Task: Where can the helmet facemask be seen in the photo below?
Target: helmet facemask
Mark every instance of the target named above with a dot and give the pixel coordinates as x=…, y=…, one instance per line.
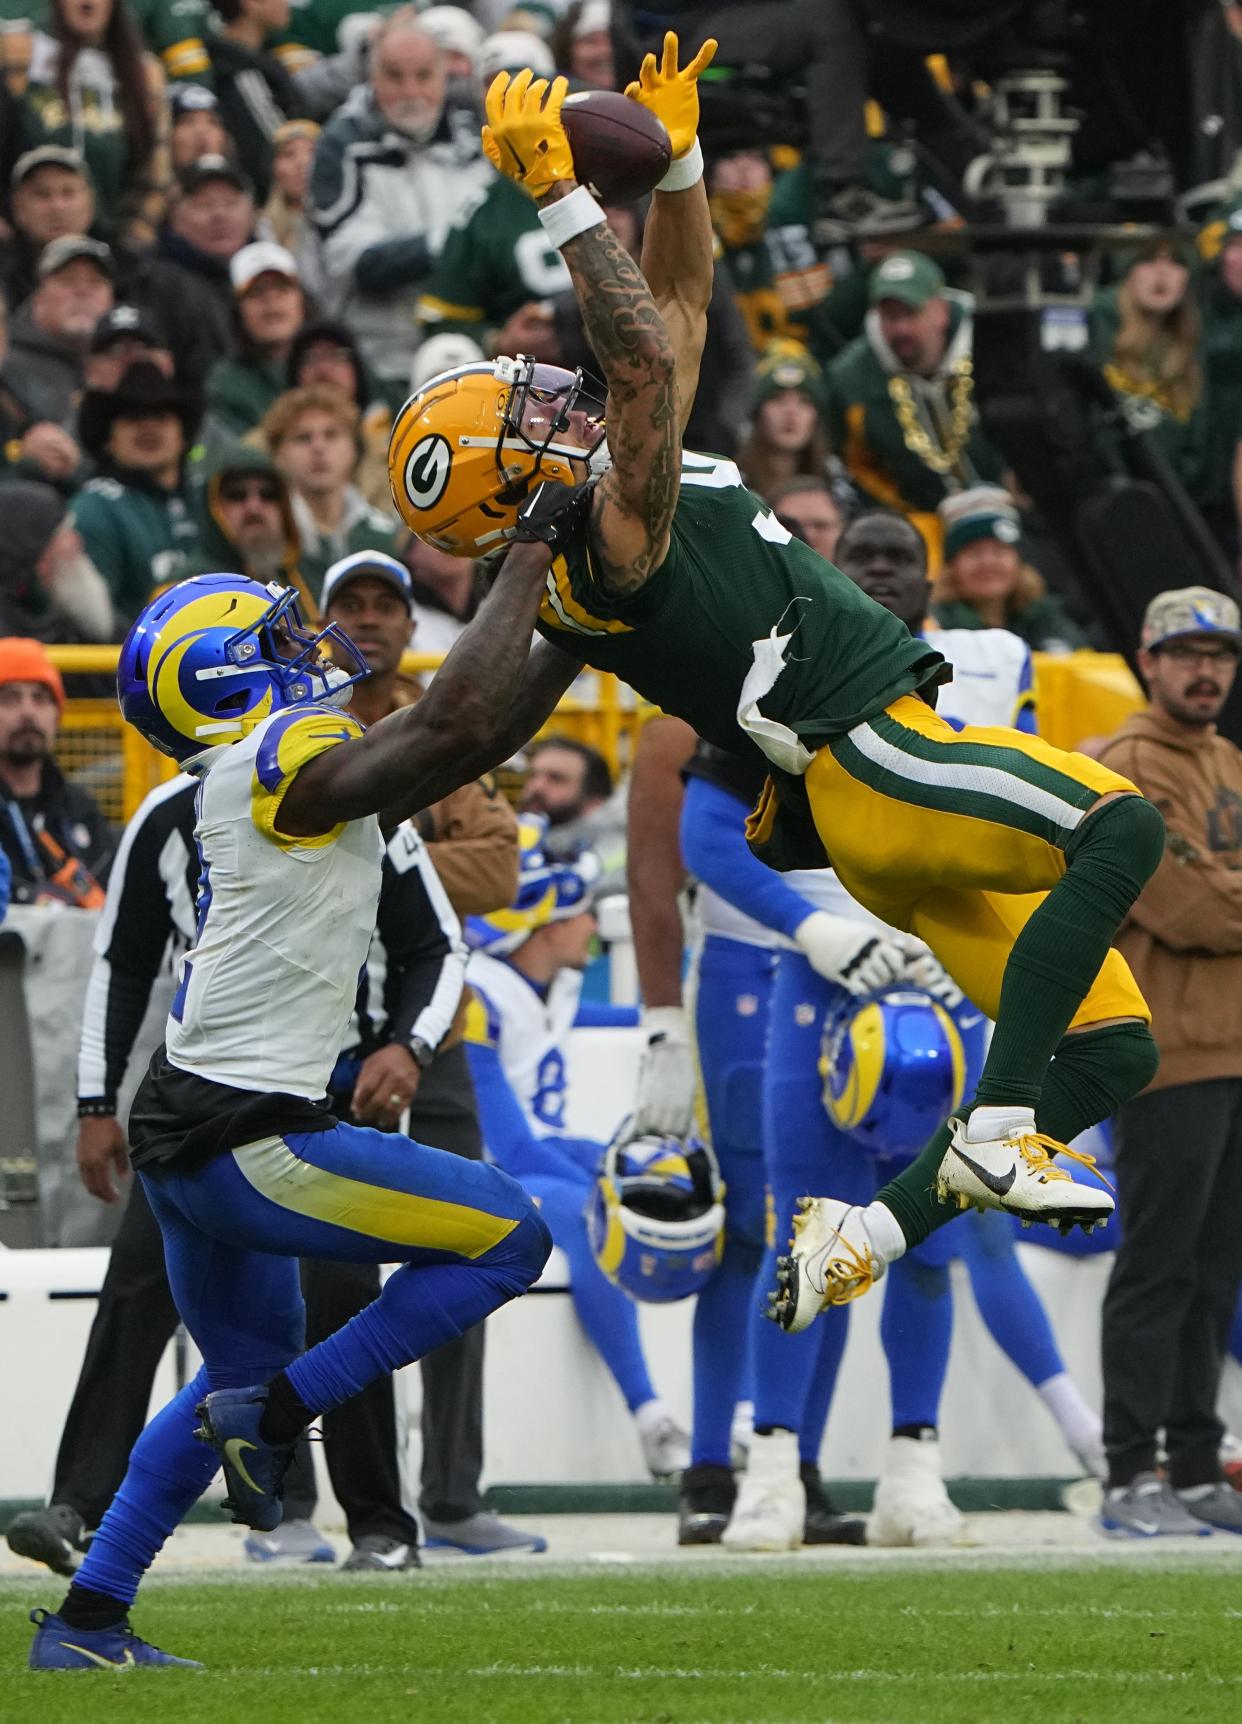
x=538, y=413
x=302, y=674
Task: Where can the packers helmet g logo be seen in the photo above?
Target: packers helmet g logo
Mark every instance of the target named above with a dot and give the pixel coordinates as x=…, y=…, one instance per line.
x=427, y=471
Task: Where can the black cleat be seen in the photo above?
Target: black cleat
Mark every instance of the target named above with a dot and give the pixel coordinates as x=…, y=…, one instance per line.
x=823, y=1524
x=55, y=1536
x=705, y=1504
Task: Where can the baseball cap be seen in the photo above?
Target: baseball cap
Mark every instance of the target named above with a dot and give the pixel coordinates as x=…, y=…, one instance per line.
x=376, y=564
x=908, y=276
x=513, y=51
x=982, y=512
x=48, y=156
x=59, y=253
x=261, y=257
x=1190, y=611
x=127, y=323
x=205, y=169
x=191, y=99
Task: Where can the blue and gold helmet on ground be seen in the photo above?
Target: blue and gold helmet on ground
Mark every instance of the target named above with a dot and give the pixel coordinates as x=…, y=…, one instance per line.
x=550, y=889
x=656, y=1218
x=467, y=448
x=215, y=655
x=894, y=1069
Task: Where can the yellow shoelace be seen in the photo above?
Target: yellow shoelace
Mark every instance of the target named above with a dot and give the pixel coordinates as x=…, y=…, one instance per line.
x=1037, y=1151
x=850, y=1265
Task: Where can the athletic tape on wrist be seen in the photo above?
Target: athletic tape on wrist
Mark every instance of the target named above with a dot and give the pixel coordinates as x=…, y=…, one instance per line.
x=568, y=217
x=685, y=172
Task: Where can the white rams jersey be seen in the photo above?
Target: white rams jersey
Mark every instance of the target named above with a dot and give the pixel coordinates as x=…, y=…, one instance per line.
x=993, y=681
x=265, y=994
x=529, y=1031
x=993, y=684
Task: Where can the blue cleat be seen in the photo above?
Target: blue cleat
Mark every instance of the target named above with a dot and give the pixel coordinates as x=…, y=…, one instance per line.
x=59, y=1647
x=254, y=1469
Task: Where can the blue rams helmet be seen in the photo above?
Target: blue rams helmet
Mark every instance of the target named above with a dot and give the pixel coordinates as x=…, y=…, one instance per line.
x=215, y=655
x=894, y=1069
x=656, y=1218
x=550, y=889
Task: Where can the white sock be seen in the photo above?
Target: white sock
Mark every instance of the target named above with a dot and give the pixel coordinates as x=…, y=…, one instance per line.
x=1080, y=1425
x=650, y=1415
x=994, y=1122
x=884, y=1232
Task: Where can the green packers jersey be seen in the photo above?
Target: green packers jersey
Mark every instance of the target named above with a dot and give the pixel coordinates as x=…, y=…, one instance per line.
x=737, y=601
x=495, y=258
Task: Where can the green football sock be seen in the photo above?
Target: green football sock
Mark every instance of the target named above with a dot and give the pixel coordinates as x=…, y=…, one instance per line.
x=1093, y=1073
x=1058, y=954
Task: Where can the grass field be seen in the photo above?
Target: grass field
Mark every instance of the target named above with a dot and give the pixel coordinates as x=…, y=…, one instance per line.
x=925, y=1642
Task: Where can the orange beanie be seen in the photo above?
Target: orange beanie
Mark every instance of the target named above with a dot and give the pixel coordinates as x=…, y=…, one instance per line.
x=24, y=660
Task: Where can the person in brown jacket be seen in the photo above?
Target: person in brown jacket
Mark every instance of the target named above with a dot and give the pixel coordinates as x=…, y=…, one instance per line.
x=1175, y=1279
x=473, y=841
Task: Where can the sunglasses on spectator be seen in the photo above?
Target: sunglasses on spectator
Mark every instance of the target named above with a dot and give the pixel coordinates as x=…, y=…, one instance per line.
x=247, y=490
x=1194, y=652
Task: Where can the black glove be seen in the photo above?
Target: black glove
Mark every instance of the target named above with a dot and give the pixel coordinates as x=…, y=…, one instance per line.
x=553, y=513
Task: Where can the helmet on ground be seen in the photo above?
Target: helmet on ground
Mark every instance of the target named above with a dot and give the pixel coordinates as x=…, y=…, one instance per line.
x=893, y=1068
x=469, y=446
x=215, y=655
x=656, y=1219
x=550, y=889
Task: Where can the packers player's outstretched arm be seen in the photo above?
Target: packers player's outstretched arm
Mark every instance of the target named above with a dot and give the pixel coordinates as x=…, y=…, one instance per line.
x=638, y=352
x=678, y=241
x=635, y=499
x=460, y=727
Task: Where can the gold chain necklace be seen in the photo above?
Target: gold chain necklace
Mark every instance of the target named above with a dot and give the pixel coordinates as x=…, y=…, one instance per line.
x=960, y=390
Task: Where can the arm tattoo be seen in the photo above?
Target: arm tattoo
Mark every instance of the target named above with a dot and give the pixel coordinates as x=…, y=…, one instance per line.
x=629, y=339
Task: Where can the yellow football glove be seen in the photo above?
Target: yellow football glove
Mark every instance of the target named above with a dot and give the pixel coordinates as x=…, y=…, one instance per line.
x=524, y=136
x=673, y=96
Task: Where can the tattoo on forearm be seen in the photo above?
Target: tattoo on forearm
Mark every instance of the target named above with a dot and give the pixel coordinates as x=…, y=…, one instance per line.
x=631, y=344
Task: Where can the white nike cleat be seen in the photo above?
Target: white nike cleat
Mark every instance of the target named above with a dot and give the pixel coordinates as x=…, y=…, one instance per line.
x=770, y=1511
x=832, y=1259
x=912, y=1506
x=997, y=1160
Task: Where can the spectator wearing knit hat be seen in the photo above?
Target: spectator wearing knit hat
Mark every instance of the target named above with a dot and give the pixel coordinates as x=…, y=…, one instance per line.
x=49, y=588
x=786, y=438
x=984, y=582
x=197, y=129
x=54, y=834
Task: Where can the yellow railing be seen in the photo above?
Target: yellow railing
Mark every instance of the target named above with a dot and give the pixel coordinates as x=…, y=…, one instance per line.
x=1079, y=695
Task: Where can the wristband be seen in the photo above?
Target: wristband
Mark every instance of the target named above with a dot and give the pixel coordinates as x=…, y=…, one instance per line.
x=96, y=1107
x=685, y=172
x=568, y=217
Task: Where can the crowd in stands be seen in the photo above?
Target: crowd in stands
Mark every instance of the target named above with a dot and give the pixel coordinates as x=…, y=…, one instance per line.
x=232, y=241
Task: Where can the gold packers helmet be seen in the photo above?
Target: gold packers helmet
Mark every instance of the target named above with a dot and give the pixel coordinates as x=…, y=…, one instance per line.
x=469, y=445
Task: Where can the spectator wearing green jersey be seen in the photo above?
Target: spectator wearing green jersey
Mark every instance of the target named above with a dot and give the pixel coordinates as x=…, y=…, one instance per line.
x=94, y=88
x=135, y=516
x=176, y=33
x=269, y=309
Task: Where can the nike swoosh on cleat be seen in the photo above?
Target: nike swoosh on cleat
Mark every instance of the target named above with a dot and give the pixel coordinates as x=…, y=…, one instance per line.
x=997, y=1184
x=98, y=1658
x=232, y=1454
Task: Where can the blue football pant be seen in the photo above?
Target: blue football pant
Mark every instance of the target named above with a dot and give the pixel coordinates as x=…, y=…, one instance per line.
x=467, y=1237
x=732, y=984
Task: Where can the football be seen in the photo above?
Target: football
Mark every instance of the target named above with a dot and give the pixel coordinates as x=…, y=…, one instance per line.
x=620, y=150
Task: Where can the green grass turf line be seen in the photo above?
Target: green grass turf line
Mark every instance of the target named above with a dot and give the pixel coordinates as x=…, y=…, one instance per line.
x=1151, y=1642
